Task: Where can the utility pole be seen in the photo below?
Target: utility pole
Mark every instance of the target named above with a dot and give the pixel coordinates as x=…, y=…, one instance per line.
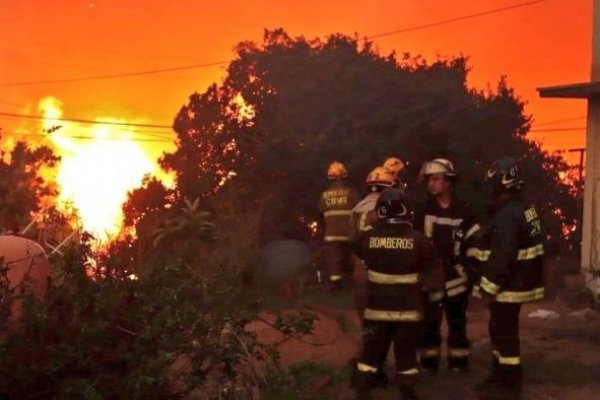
x=590, y=249
x=579, y=166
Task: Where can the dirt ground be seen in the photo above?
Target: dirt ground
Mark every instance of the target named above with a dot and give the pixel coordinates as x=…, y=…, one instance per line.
x=561, y=358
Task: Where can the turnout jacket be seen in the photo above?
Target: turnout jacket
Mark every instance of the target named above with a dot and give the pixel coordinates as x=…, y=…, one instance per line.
x=336, y=205
x=363, y=215
x=401, y=265
x=445, y=227
x=510, y=251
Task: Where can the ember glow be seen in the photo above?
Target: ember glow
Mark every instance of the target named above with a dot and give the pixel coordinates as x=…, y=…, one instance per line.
x=97, y=168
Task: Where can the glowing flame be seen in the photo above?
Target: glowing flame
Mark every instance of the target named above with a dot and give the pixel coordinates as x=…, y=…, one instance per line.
x=96, y=170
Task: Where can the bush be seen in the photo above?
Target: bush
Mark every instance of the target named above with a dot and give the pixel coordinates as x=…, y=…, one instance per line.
x=168, y=333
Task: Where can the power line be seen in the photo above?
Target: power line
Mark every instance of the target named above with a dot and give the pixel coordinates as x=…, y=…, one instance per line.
x=456, y=19
x=159, y=126
x=559, y=129
x=559, y=121
x=82, y=137
x=8, y=103
x=114, y=76
x=85, y=121
x=216, y=63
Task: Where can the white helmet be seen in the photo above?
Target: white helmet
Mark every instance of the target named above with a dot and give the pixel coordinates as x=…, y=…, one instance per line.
x=437, y=166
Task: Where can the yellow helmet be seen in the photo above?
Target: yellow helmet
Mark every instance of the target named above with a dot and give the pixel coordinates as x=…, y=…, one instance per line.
x=337, y=170
x=394, y=166
x=380, y=177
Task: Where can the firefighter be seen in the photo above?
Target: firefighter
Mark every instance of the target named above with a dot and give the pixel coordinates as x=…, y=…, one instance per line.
x=441, y=218
x=336, y=205
x=401, y=266
x=362, y=219
x=511, y=250
x=395, y=166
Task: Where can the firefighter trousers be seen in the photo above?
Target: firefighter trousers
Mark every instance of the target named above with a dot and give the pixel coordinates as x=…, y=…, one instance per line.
x=339, y=261
x=504, y=333
x=377, y=338
x=455, y=309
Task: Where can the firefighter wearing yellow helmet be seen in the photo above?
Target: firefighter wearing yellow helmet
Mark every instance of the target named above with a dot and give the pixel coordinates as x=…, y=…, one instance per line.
x=395, y=166
x=336, y=205
x=442, y=218
x=363, y=218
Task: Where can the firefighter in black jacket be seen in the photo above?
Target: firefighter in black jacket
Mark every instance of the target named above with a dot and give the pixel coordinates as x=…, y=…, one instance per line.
x=363, y=217
x=441, y=218
x=511, y=251
x=401, y=266
x=336, y=205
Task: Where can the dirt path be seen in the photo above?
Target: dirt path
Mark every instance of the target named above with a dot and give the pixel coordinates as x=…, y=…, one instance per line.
x=561, y=357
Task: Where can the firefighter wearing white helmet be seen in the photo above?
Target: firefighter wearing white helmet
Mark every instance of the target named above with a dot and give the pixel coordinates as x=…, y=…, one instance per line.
x=336, y=204
x=442, y=218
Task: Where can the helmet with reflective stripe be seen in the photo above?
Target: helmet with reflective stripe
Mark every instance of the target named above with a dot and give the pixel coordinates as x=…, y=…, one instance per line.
x=392, y=206
x=337, y=170
x=394, y=166
x=504, y=175
x=379, y=179
x=437, y=166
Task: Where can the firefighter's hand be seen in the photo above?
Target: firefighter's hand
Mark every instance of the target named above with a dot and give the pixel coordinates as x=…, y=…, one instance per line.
x=436, y=296
x=486, y=298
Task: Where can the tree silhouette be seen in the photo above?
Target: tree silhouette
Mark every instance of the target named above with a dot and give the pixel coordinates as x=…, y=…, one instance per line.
x=22, y=186
x=264, y=136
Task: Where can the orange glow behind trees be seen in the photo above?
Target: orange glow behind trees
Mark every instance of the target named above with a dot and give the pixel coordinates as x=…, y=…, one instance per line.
x=96, y=174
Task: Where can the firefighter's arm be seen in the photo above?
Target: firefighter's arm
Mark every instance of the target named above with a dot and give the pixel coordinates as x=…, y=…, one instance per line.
x=466, y=252
x=418, y=220
x=353, y=197
x=503, y=250
x=433, y=272
x=357, y=244
x=321, y=219
x=353, y=231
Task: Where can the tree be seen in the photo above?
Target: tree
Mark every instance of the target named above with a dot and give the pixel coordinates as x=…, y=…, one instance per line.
x=263, y=138
x=23, y=187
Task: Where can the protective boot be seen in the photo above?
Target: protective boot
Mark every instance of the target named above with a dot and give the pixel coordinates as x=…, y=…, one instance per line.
x=458, y=364
x=430, y=364
x=381, y=378
x=492, y=379
x=406, y=388
x=511, y=380
x=363, y=383
x=505, y=383
x=336, y=286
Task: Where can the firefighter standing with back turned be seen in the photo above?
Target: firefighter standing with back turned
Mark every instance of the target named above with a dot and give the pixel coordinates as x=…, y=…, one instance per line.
x=440, y=218
x=336, y=205
x=401, y=266
x=511, y=249
x=363, y=217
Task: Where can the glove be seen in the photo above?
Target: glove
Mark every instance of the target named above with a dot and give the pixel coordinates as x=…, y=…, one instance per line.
x=436, y=297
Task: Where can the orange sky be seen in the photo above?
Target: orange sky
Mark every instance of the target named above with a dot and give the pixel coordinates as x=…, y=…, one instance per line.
x=542, y=44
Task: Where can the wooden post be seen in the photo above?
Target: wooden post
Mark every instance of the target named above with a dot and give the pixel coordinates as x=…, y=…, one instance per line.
x=590, y=252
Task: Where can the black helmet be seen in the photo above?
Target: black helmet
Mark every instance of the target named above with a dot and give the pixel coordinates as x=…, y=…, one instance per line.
x=504, y=175
x=392, y=206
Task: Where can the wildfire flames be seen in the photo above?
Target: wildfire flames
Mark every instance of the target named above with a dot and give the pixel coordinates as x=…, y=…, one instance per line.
x=96, y=170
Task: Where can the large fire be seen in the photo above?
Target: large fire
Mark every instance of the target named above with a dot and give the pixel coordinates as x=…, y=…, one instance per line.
x=96, y=170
